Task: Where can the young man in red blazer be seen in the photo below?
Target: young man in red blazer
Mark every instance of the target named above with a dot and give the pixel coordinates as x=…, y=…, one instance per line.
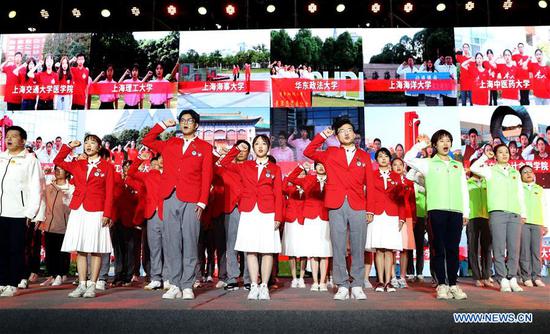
x=184, y=186
x=347, y=197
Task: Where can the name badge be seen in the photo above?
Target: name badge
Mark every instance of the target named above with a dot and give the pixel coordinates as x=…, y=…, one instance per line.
x=96, y=174
x=267, y=174
x=53, y=81
x=194, y=153
x=83, y=76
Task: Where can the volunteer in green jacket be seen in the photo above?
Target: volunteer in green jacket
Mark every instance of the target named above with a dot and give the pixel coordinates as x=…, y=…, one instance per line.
x=536, y=206
x=506, y=214
x=448, y=207
x=478, y=232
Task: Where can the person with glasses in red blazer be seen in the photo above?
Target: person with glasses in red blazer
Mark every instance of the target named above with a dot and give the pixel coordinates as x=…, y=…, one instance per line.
x=184, y=187
x=348, y=199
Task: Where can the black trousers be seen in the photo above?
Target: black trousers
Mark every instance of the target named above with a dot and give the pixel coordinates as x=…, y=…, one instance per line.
x=449, y=101
x=57, y=262
x=77, y=107
x=419, y=230
x=446, y=228
x=524, y=97
x=12, y=250
x=123, y=246
x=44, y=105
x=205, y=262
x=131, y=107
x=493, y=98
x=14, y=106
x=33, y=245
x=107, y=105
x=158, y=106
x=412, y=101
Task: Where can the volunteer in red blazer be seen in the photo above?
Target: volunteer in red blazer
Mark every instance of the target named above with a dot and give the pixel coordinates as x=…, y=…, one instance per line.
x=91, y=205
x=232, y=186
x=316, y=231
x=184, y=187
x=349, y=173
x=261, y=207
x=293, y=233
x=384, y=232
x=153, y=214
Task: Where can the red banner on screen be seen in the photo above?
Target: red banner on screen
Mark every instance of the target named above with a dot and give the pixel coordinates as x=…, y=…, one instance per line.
x=252, y=86
x=322, y=85
x=409, y=85
x=133, y=88
x=39, y=89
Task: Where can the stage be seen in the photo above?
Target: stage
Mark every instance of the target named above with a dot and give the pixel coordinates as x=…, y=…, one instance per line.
x=132, y=309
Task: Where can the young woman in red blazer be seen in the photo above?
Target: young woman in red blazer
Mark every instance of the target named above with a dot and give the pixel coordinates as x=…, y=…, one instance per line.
x=384, y=232
x=92, y=207
x=316, y=241
x=293, y=233
x=407, y=232
x=261, y=207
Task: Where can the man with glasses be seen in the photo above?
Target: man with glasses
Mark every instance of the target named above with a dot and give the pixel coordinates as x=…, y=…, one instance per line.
x=349, y=174
x=184, y=186
x=283, y=152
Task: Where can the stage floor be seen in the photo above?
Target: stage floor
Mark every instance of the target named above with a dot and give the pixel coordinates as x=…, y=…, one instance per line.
x=214, y=310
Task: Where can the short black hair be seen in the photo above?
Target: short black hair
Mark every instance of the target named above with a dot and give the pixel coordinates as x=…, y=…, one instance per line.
x=382, y=150
x=109, y=66
x=377, y=140
x=440, y=134
x=243, y=141
x=520, y=43
x=161, y=65
x=104, y=153
x=524, y=134
x=339, y=122
x=513, y=142
x=135, y=66
x=472, y=130
x=271, y=159
x=283, y=133
x=38, y=138
x=547, y=128
x=18, y=53
x=22, y=132
x=80, y=54
x=94, y=138
x=196, y=117
x=539, y=139
x=523, y=167
x=58, y=137
x=499, y=146
x=490, y=51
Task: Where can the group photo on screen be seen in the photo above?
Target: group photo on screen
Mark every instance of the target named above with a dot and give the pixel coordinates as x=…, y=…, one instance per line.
x=503, y=65
x=409, y=66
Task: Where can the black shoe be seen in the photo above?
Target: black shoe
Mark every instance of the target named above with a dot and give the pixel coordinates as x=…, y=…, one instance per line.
x=247, y=286
x=232, y=287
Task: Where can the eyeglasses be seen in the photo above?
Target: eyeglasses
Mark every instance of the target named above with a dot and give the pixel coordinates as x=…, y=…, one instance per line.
x=187, y=121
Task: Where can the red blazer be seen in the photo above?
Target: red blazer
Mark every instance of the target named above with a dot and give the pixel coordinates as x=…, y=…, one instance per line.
x=293, y=203
x=94, y=193
x=232, y=187
x=409, y=197
x=388, y=199
x=189, y=173
x=343, y=180
x=150, y=193
x=314, y=198
x=266, y=192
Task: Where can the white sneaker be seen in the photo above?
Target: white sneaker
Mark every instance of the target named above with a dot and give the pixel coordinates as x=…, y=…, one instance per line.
x=78, y=292
x=358, y=293
x=23, y=284
x=294, y=283
x=420, y=278
x=514, y=285
x=9, y=291
x=330, y=284
x=301, y=283
x=166, y=285
x=47, y=282
x=221, y=285
x=264, y=292
x=402, y=283
x=2, y=288
x=539, y=283
x=197, y=284
x=153, y=285
x=367, y=284
x=394, y=282
x=342, y=294
x=101, y=285
x=314, y=287
x=528, y=283
x=57, y=281
x=505, y=285
x=254, y=292
x=442, y=292
x=457, y=293
x=187, y=294
x=409, y=277
x=90, y=291
x=172, y=293
x=209, y=279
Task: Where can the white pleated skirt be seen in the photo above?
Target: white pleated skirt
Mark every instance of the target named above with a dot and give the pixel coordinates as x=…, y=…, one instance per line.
x=86, y=234
x=407, y=235
x=317, y=238
x=257, y=234
x=383, y=233
x=293, y=239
